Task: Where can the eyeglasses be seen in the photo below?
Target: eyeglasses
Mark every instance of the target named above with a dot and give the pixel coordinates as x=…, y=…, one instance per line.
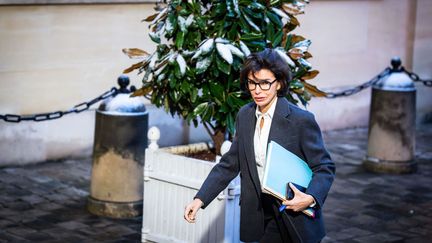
x=263, y=84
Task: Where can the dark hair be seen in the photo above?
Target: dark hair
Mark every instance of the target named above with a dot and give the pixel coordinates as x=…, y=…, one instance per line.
x=271, y=60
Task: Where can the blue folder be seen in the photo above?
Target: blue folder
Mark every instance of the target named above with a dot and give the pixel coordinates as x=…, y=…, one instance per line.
x=282, y=167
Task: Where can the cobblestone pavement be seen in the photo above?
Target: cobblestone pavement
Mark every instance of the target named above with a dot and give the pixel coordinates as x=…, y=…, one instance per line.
x=46, y=202
x=368, y=207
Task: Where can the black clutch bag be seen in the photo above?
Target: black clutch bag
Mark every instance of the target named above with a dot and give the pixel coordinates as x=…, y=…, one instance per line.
x=290, y=193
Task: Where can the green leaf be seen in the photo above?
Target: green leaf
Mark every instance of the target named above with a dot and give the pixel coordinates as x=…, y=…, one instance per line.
x=251, y=37
x=195, y=122
x=166, y=104
x=172, y=81
x=291, y=98
x=181, y=64
x=200, y=109
x=225, y=52
x=274, y=2
x=220, y=27
x=194, y=94
x=181, y=23
x=155, y=99
x=251, y=23
x=296, y=84
x=302, y=100
x=277, y=38
x=175, y=96
x=171, y=24
x=257, y=6
x=270, y=32
x=208, y=113
x=225, y=108
x=219, y=9
x=244, y=48
x=305, y=63
x=230, y=123
x=244, y=25
x=257, y=44
x=288, y=42
x=217, y=90
x=223, y=66
x=230, y=8
x=207, y=46
x=185, y=87
x=245, y=2
x=214, y=70
x=291, y=39
x=180, y=39
x=274, y=18
x=205, y=91
x=184, y=12
x=252, y=14
x=200, y=22
x=203, y=64
x=233, y=33
x=234, y=99
x=177, y=72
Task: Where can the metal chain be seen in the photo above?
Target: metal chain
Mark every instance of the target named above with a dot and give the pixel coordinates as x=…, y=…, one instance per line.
x=57, y=114
x=373, y=81
x=86, y=105
x=361, y=87
x=416, y=78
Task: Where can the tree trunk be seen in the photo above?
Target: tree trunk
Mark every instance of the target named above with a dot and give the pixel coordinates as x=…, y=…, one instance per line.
x=218, y=138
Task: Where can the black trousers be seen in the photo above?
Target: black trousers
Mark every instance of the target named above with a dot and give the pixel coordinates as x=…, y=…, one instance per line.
x=276, y=229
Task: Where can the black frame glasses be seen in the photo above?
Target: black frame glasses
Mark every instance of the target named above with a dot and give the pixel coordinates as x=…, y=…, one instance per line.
x=262, y=82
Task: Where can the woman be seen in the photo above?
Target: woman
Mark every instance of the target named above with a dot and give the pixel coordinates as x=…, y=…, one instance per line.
x=270, y=118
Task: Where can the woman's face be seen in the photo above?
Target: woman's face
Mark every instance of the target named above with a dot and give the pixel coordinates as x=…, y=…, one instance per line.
x=265, y=95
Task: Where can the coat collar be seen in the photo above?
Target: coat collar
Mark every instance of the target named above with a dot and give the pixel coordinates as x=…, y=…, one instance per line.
x=283, y=107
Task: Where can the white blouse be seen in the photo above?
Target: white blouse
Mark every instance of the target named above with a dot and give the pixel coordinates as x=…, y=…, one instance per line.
x=261, y=137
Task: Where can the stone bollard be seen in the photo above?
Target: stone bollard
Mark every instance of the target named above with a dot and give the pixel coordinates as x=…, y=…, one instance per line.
x=391, y=140
x=118, y=155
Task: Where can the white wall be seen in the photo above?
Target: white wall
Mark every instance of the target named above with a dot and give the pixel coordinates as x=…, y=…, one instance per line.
x=56, y=56
x=353, y=41
x=422, y=58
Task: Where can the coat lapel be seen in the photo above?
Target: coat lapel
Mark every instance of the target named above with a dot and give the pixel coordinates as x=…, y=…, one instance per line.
x=280, y=116
x=249, y=147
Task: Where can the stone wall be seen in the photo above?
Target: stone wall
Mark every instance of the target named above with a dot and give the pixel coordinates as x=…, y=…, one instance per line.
x=56, y=56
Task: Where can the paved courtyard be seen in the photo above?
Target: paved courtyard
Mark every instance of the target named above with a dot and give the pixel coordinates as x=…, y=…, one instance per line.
x=368, y=207
x=46, y=202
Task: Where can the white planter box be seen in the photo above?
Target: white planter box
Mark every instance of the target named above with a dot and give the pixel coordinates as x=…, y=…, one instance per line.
x=170, y=182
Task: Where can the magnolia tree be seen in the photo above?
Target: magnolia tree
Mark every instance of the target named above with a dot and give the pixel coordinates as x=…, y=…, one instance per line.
x=200, y=48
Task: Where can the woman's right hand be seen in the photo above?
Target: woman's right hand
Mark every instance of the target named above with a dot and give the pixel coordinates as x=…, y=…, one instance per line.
x=191, y=209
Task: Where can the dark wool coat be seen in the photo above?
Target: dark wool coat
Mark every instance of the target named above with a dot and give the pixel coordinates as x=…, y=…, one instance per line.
x=294, y=129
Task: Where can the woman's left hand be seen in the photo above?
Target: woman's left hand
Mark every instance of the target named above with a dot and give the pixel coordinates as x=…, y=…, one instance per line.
x=300, y=201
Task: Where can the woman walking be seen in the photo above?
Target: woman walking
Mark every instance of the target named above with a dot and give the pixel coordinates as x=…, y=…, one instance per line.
x=270, y=117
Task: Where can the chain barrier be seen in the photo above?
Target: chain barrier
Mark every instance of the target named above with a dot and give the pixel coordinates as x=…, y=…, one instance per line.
x=360, y=87
x=57, y=114
x=374, y=80
x=86, y=105
x=416, y=78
